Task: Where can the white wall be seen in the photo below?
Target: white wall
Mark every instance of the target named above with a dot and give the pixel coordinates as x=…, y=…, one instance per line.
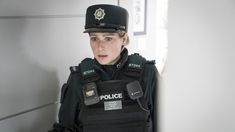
x=198, y=93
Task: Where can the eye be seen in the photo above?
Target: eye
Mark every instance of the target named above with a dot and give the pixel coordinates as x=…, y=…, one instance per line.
x=108, y=38
x=93, y=39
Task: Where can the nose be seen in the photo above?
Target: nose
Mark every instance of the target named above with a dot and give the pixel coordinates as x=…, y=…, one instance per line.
x=100, y=45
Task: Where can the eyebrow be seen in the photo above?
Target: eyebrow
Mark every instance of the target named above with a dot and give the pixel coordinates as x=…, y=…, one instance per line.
x=106, y=34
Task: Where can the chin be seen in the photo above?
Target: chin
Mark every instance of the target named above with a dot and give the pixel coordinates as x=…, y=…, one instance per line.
x=103, y=62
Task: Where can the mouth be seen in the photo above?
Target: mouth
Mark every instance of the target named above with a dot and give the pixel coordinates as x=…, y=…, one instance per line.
x=102, y=56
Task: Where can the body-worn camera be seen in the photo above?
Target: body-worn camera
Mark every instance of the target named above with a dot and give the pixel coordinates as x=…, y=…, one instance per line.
x=90, y=94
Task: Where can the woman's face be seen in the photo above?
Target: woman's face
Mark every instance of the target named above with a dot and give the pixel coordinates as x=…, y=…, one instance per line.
x=106, y=47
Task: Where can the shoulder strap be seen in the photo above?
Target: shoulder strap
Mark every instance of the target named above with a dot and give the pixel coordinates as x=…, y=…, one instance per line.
x=135, y=66
x=88, y=72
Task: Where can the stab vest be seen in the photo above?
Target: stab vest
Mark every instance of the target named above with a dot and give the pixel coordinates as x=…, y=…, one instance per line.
x=115, y=111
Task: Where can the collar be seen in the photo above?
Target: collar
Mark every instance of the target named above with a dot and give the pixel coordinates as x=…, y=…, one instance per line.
x=124, y=56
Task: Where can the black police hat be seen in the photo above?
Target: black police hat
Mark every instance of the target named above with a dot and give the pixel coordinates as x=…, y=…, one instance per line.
x=106, y=18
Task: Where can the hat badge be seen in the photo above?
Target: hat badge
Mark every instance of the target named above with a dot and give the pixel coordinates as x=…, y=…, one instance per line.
x=99, y=14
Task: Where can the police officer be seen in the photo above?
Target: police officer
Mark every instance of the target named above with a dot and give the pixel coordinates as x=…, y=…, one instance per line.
x=114, y=92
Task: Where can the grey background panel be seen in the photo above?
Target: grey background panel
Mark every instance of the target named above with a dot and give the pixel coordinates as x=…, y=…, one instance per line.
x=24, y=83
x=46, y=7
x=35, y=59
x=40, y=120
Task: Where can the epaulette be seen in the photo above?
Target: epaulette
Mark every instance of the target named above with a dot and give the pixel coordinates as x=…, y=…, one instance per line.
x=87, y=70
x=135, y=65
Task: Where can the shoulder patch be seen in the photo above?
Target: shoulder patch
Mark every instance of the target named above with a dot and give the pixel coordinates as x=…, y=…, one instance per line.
x=136, y=61
x=135, y=65
x=87, y=68
x=88, y=71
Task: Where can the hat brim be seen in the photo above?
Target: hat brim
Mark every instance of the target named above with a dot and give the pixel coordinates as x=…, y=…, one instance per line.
x=101, y=30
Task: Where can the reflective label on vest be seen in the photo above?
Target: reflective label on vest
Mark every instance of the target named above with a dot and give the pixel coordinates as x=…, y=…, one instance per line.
x=112, y=105
x=111, y=96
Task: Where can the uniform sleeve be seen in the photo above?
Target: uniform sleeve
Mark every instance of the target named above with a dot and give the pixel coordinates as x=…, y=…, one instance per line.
x=69, y=108
x=152, y=85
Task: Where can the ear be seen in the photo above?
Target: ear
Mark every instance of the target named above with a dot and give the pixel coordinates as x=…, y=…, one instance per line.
x=125, y=40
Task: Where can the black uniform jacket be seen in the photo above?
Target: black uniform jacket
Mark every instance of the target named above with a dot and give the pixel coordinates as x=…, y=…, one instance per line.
x=71, y=95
